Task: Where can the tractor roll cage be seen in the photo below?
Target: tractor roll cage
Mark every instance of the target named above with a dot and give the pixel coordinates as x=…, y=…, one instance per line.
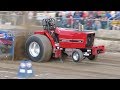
x=49, y=24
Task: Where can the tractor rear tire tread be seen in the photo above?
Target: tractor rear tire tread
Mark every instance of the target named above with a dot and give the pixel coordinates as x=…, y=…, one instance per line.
x=45, y=45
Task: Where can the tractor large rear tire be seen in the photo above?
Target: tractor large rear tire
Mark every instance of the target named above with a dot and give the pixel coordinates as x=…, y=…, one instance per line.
x=44, y=45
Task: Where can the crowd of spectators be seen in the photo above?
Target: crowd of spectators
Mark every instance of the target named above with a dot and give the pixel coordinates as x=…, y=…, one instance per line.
x=92, y=20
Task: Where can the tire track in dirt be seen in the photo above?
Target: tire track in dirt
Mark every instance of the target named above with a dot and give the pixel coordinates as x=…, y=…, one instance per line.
x=73, y=72
x=102, y=68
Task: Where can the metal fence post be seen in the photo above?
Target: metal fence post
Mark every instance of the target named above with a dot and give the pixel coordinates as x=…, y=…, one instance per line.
x=1, y=19
x=15, y=20
x=23, y=19
x=107, y=24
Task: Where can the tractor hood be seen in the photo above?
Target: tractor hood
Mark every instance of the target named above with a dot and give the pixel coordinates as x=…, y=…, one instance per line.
x=79, y=39
x=72, y=31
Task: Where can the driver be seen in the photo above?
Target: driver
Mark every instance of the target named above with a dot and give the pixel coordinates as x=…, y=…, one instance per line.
x=49, y=25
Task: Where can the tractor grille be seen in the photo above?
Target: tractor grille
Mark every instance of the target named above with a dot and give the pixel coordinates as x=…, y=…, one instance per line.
x=90, y=40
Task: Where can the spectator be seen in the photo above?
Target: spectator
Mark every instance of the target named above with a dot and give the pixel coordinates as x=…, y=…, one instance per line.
x=82, y=21
x=76, y=17
x=112, y=13
x=57, y=14
x=108, y=15
x=104, y=22
x=91, y=16
x=89, y=24
x=59, y=19
x=99, y=13
x=95, y=14
x=85, y=14
x=97, y=25
x=64, y=20
x=117, y=16
x=69, y=20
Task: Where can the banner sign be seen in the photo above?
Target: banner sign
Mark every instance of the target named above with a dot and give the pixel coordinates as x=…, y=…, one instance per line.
x=6, y=44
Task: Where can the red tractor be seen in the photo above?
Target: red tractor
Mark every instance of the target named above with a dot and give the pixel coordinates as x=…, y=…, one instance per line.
x=53, y=42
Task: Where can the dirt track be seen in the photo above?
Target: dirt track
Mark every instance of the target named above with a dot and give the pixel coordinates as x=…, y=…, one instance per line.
x=106, y=67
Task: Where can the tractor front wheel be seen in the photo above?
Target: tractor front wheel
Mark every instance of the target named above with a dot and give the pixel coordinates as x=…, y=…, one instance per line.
x=38, y=48
x=77, y=55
